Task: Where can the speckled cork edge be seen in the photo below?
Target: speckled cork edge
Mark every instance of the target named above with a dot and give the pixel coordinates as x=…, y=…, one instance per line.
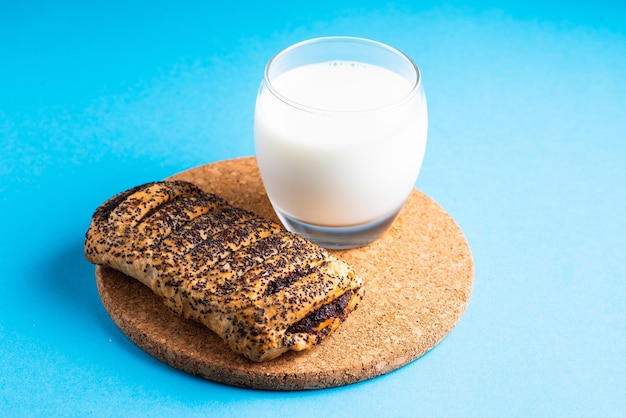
x=418, y=279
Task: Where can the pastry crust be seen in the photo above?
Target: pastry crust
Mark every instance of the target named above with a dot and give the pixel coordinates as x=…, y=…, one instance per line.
x=262, y=289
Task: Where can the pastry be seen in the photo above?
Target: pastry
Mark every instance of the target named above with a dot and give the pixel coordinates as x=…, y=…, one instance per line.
x=262, y=289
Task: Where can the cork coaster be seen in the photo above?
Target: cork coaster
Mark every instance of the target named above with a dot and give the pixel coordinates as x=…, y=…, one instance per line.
x=418, y=280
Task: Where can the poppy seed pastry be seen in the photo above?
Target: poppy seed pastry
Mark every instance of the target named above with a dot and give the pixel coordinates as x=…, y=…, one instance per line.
x=262, y=289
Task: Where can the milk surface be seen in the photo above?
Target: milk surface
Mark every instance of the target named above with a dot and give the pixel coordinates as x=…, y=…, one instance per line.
x=352, y=154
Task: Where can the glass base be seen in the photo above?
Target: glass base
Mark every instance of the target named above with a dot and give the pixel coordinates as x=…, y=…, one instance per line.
x=338, y=238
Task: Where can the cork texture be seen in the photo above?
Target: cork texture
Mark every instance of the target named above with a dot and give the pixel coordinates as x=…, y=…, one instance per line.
x=418, y=278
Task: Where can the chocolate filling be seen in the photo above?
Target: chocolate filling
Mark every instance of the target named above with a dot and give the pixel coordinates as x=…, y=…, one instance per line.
x=336, y=309
x=287, y=280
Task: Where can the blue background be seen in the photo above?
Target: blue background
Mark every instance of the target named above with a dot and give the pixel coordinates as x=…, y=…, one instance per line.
x=526, y=151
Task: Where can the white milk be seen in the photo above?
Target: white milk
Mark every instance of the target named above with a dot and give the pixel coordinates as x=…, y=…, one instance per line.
x=351, y=164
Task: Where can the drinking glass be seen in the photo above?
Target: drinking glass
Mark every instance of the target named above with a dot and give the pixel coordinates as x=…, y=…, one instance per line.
x=340, y=132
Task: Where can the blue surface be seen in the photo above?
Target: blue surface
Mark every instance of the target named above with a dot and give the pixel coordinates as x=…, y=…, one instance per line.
x=526, y=151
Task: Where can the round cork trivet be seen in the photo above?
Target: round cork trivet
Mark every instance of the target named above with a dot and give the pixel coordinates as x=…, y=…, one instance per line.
x=418, y=279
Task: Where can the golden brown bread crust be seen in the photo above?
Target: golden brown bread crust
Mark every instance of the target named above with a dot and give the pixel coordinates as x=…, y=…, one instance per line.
x=263, y=290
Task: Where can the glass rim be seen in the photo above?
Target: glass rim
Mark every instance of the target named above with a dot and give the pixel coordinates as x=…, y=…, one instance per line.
x=416, y=86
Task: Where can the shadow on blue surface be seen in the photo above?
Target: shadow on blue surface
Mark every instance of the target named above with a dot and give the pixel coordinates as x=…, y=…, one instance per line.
x=68, y=281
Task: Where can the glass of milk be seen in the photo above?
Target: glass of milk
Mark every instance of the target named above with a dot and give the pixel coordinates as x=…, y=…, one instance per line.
x=340, y=132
